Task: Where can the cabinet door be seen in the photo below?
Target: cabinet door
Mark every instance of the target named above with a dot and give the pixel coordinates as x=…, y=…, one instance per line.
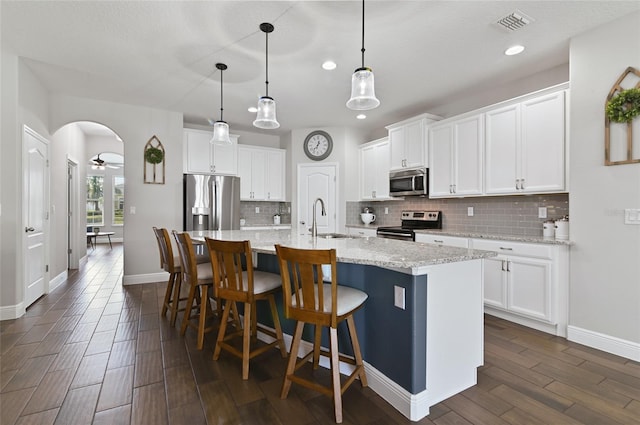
x=381, y=171
x=495, y=286
x=225, y=158
x=245, y=172
x=440, y=161
x=443, y=240
x=529, y=286
x=543, y=144
x=467, y=160
x=198, y=151
x=397, y=142
x=258, y=175
x=502, y=137
x=368, y=157
x=275, y=175
x=414, y=144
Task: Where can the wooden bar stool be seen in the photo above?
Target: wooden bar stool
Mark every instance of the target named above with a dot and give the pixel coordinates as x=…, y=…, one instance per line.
x=170, y=264
x=308, y=300
x=234, y=285
x=199, y=279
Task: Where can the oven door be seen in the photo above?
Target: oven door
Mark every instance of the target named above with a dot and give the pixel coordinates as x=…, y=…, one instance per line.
x=400, y=234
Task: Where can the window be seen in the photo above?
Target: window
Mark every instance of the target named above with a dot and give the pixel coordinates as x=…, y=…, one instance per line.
x=95, y=200
x=118, y=201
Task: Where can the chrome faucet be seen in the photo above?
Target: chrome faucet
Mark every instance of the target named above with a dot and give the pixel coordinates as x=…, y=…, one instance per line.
x=314, y=225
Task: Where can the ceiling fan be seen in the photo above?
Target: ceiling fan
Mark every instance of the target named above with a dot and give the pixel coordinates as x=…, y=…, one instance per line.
x=98, y=163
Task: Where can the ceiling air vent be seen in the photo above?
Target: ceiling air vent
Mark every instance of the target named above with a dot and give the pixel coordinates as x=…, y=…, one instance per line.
x=515, y=21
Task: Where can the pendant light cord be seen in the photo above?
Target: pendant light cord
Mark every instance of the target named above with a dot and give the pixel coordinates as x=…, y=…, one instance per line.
x=221, y=97
x=267, y=63
x=362, y=50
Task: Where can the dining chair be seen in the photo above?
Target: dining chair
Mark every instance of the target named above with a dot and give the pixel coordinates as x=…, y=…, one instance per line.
x=237, y=284
x=199, y=278
x=307, y=299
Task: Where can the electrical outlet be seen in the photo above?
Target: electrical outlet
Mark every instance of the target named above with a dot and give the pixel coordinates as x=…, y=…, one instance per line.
x=470, y=211
x=386, y=210
x=631, y=216
x=398, y=297
x=257, y=210
x=542, y=212
x=132, y=210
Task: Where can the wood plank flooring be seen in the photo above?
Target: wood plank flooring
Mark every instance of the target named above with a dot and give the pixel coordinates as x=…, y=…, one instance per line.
x=96, y=352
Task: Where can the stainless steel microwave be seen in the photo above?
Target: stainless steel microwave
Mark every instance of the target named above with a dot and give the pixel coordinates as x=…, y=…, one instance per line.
x=411, y=182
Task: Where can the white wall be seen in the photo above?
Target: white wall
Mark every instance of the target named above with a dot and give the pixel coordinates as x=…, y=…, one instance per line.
x=246, y=137
x=605, y=261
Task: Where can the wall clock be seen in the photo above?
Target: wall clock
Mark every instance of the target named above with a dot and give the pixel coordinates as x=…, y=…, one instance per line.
x=318, y=145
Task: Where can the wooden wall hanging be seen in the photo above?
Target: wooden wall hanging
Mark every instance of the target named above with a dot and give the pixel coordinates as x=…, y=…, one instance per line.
x=154, y=157
x=619, y=135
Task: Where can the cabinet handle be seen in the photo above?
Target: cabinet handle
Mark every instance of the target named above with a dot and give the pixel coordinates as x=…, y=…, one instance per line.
x=437, y=241
x=522, y=184
x=450, y=188
x=508, y=266
x=455, y=188
x=517, y=184
x=506, y=248
x=268, y=195
x=503, y=269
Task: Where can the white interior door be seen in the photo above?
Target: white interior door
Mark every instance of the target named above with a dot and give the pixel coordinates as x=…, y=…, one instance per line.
x=36, y=215
x=317, y=181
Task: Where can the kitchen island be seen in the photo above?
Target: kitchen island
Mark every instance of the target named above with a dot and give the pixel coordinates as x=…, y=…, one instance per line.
x=421, y=329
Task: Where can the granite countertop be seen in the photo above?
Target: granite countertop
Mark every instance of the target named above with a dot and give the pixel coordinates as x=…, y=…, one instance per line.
x=493, y=236
x=407, y=257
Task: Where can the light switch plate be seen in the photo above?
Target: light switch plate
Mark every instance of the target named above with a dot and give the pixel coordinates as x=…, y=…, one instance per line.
x=257, y=210
x=632, y=216
x=398, y=297
x=470, y=211
x=132, y=210
x=542, y=212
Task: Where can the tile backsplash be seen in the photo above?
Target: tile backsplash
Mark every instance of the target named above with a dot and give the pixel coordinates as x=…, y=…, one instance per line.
x=502, y=215
x=267, y=211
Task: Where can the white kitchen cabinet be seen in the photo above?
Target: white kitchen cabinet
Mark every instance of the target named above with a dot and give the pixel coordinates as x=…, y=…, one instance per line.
x=408, y=142
x=442, y=240
x=526, y=283
x=374, y=170
x=363, y=232
x=525, y=146
x=200, y=156
x=262, y=173
x=456, y=157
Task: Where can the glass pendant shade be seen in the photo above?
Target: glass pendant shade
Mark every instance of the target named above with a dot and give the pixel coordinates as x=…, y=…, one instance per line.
x=220, y=133
x=363, y=96
x=266, y=117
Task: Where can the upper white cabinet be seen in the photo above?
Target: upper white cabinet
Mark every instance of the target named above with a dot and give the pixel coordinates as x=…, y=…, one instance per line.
x=262, y=173
x=408, y=142
x=374, y=170
x=525, y=146
x=200, y=156
x=455, y=157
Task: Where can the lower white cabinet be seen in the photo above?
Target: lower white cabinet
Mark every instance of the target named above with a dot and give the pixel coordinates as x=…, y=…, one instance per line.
x=526, y=283
x=443, y=240
x=362, y=231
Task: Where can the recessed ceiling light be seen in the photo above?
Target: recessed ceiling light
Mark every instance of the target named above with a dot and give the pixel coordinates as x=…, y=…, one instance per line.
x=514, y=50
x=329, y=65
x=252, y=109
x=361, y=116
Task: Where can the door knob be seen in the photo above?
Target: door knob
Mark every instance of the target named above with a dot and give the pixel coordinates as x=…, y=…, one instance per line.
x=29, y=229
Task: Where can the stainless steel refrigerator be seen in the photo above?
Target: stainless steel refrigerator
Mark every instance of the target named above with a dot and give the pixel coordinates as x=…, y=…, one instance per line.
x=211, y=202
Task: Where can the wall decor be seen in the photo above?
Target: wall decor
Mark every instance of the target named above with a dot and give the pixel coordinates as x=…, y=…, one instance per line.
x=622, y=116
x=154, y=161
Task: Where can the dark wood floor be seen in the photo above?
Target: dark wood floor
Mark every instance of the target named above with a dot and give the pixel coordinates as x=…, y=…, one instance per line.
x=94, y=351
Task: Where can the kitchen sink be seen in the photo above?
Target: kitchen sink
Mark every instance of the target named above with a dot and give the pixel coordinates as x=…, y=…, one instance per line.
x=335, y=236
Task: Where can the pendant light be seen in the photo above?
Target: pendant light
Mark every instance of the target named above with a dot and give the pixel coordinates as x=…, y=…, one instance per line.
x=363, y=96
x=220, y=128
x=266, y=117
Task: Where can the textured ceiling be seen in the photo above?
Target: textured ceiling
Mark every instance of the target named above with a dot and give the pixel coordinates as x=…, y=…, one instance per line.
x=162, y=54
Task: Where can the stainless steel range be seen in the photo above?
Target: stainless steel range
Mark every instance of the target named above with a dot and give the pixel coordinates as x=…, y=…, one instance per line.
x=412, y=220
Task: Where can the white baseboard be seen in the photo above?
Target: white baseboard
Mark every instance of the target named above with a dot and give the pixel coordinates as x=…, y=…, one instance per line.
x=137, y=279
x=12, y=311
x=58, y=280
x=610, y=344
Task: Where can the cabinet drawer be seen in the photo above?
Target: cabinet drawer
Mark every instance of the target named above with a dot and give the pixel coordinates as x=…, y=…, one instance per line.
x=443, y=240
x=513, y=248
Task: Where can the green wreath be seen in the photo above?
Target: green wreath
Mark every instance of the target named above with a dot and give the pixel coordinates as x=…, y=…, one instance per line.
x=153, y=155
x=625, y=106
